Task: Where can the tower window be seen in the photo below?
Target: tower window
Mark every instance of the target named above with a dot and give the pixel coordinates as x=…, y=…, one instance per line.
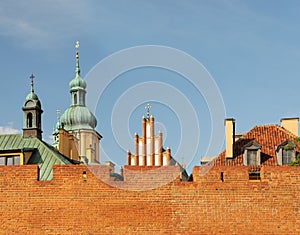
x=75, y=99
x=29, y=120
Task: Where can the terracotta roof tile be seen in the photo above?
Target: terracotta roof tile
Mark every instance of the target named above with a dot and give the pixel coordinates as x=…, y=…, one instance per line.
x=268, y=136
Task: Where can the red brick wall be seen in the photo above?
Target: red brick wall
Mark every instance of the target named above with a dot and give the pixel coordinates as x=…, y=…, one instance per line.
x=208, y=205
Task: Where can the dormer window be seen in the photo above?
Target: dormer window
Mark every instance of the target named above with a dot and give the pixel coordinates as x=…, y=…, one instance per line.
x=252, y=159
x=286, y=152
x=251, y=154
x=287, y=156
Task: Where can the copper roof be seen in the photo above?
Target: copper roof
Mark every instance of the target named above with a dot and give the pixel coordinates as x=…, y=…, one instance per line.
x=45, y=155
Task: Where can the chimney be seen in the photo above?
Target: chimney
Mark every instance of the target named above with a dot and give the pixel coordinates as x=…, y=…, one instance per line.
x=230, y=136
x=128, y=158
x=290, y=124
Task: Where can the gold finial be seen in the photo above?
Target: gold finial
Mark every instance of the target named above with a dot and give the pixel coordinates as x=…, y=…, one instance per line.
x=77, y=50
x=148, y=107
x=32, y=83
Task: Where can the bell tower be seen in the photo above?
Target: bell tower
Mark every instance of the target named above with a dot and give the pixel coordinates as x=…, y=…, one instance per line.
x=32, y=124
x=79, y=122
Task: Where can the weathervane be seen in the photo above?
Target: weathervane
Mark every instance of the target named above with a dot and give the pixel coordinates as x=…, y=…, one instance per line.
x=148, y=107
x=31, y=83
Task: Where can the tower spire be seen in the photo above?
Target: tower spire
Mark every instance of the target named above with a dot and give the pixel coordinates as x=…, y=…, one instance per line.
x=32, y=83
x=77, y=70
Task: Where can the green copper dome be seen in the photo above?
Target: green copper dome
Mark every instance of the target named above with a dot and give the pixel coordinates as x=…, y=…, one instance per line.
x=32, y=96
x=77, y=82
x=78, y=117
x=32, y=99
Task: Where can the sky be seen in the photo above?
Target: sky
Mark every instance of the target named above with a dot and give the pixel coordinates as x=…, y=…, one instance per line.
x=248, y=51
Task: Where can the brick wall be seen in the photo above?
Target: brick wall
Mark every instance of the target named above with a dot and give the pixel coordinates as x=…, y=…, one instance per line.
x=213, y=203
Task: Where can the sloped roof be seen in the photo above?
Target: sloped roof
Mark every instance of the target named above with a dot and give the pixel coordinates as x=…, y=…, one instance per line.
x=44, y=155
x=268, y=136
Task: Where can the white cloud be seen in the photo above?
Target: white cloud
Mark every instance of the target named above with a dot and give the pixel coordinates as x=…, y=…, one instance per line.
x=9, y=129
x=41, y=24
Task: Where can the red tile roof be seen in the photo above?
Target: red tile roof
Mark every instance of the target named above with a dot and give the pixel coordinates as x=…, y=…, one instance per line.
x=268, y=136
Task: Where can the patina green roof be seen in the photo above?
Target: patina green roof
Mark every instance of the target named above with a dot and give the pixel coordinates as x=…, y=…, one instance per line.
x=44, y=155
x=78, y=117
x=77, y=82
x=32, y=96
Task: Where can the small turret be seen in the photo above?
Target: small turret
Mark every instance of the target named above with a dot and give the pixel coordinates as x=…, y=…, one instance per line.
x=32, y=109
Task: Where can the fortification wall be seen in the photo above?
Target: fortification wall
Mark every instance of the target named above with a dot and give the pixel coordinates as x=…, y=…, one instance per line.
x=221, y=200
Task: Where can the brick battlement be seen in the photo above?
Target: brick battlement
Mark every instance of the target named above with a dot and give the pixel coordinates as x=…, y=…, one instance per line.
x=84, y=200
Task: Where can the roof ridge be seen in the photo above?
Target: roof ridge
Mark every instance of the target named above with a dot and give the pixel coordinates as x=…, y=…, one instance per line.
x=265, y=125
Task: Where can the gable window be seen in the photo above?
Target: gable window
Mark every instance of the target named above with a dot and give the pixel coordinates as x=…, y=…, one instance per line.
x=286, y=152
x=251, y=154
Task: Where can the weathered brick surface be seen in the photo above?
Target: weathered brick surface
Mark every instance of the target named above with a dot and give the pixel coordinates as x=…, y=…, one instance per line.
x=208, y=205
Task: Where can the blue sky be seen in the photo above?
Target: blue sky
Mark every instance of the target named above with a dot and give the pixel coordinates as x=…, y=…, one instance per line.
x=250, y=48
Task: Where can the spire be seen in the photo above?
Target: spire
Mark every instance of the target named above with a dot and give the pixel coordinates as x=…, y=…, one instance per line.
x=77, y=70
x=32, y=83
x=77, y=81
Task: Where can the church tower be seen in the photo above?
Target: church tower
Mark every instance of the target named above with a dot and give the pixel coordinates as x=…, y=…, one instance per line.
x=79, y=122
x=32, y=125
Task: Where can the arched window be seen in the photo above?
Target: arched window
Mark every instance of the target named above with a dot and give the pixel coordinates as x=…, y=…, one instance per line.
x=29, y=120
x=75, y=99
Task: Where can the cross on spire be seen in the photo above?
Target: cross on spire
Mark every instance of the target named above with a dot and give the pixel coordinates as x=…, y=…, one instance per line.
x=148, y=107
x=32, y=83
